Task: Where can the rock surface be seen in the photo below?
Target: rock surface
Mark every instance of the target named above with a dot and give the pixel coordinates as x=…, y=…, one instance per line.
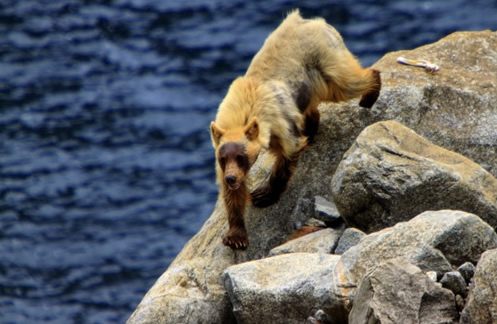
x=282, y=289
x=399, y=292
x=467, y=271
x=454, y=108
x=481, y=307
x=350, y=237
x=322, y=241
x=285, y=288
x=433, y=241
x=390, y=174
x=454, y=281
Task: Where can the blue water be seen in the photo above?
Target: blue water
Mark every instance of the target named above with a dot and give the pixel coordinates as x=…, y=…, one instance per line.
x=106, y=166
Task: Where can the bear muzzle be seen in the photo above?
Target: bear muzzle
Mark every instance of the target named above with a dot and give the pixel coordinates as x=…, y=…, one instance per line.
x=232, y=182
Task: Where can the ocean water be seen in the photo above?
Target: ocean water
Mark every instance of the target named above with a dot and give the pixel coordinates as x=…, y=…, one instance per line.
x=106, y=165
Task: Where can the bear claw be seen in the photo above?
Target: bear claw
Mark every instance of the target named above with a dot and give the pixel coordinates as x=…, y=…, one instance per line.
x=236, y=242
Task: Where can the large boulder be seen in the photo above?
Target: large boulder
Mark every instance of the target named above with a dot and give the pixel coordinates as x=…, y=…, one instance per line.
x=391, y=174
x=399, y=292
x=282, y=289
x=454, y=108
x=481, y=307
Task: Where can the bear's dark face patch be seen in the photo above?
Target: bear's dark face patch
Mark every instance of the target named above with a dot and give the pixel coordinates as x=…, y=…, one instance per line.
x=233, y=153
x=234, y=163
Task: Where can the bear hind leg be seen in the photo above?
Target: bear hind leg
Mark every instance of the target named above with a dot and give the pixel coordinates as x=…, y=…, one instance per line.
x=369, y=98
x=311, y=123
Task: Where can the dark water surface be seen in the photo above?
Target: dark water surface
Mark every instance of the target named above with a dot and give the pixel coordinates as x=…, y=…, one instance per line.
x=106, y=166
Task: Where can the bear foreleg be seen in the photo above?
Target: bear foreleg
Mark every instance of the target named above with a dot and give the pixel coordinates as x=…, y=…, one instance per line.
x=235, y=201
x=270, y=193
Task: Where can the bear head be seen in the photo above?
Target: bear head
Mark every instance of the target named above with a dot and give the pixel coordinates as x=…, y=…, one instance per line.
x=236, y=151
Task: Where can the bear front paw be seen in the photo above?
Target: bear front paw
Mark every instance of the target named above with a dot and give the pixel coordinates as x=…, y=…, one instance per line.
x=236, y=240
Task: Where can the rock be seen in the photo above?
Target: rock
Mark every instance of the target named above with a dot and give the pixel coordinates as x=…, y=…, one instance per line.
x=326, y=211
x=391, y=174
x=432, y=275
x=350, y=237
x=322, y=241
x=467, y=270
x=320, y=317
x=433, y=241
x=481, y=306
x=453, y=108
x=399, y=292
x=314, y=223
x=283, y=288
x=454, y=281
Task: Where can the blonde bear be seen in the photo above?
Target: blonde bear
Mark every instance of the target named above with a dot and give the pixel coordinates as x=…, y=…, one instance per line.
x=274, y=107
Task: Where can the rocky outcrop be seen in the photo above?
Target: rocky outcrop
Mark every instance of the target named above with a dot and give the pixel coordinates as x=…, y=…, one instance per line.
x=390, y=174
x=286, y=288
x=453, y=108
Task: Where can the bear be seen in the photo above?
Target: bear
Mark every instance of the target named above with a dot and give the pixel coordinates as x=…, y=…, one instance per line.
x=274, y=107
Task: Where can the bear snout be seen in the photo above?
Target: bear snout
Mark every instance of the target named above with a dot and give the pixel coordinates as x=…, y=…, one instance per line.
x=230, y=179
x=232, y=182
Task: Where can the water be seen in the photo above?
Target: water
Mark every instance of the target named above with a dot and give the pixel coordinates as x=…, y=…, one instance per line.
x=106, y=166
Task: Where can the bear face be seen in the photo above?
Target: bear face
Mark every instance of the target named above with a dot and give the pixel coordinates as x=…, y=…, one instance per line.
x=236, y=151
x=234, y=164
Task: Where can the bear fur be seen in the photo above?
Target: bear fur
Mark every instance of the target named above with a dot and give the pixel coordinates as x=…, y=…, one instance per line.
x=274, y=107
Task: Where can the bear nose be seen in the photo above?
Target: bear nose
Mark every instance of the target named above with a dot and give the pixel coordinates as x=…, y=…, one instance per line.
x=230, y=179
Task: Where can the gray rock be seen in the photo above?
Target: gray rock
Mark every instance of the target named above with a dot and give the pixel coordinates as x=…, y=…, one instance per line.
x=399, y=292
x=322, y=241
x=467, y=270
x=326, y=211
x=391, y=174
x=282, y=289
x=481, y=307
x=320, y=317
x=432, y=275
x=315, y=222
x=350, y=237
x=455, y=107
x=454, y=281
x=433, y=241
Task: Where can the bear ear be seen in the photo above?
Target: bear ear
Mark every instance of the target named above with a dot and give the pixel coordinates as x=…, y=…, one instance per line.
x=216, y=133
x=252, y=129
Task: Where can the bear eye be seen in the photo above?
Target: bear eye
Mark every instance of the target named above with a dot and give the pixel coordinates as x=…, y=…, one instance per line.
x=222, y=162
x=240, y=159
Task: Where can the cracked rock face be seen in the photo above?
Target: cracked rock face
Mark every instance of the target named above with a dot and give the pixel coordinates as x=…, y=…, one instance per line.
x=391, y=174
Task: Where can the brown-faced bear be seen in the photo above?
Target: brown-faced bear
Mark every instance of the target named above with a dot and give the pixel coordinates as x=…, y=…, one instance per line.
x=274, y=107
